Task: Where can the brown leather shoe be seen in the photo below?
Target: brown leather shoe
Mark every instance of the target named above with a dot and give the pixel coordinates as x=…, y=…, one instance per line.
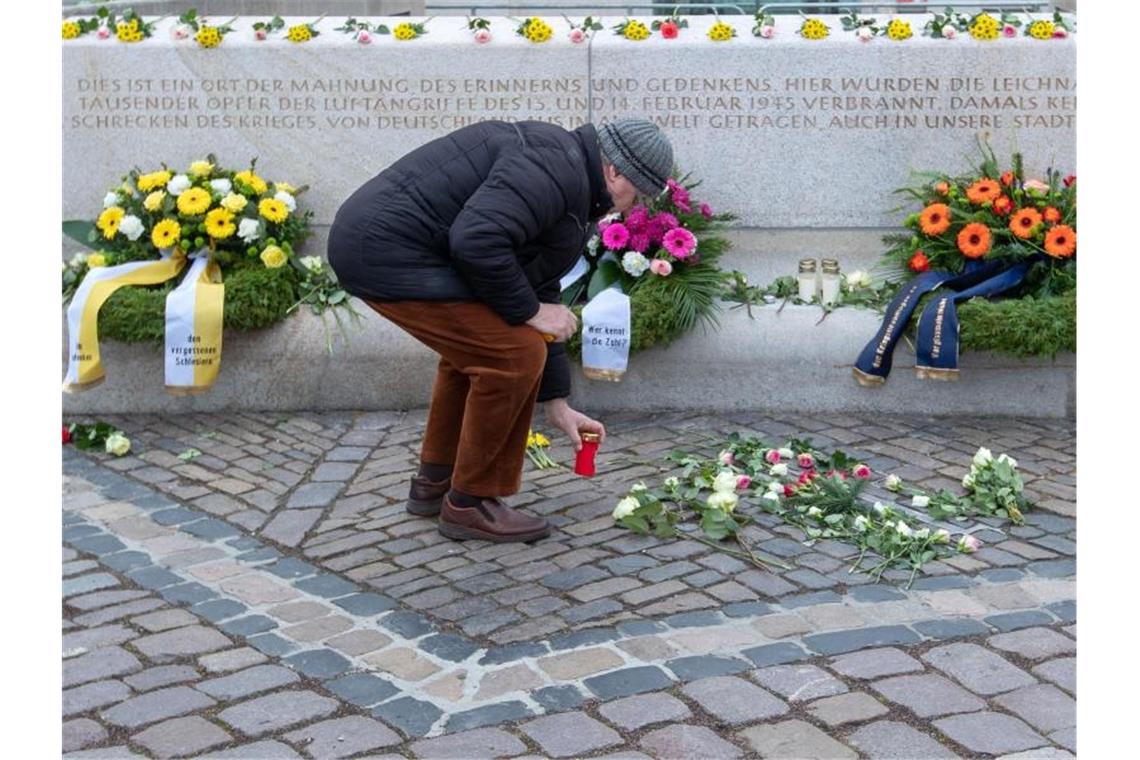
x=425, y=498
x=490, y=520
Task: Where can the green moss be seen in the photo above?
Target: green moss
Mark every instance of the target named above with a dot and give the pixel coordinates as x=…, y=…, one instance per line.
x=256, y=297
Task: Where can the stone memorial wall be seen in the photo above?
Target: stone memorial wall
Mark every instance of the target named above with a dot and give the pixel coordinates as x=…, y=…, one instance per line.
x=785, y=132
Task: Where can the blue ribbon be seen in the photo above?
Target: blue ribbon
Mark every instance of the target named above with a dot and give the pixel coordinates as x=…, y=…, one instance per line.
x=874, y=362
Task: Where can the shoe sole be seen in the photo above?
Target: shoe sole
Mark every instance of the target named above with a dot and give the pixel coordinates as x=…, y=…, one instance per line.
x=463, y=533
x=424, y=508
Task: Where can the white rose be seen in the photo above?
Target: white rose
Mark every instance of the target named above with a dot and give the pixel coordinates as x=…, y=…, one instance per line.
x=117, y=444
x=725, y=482
x=778, y=470
x=775, y=486
x=672, y=483
x=814, y=512
x=638, y=488
x=786, y=453
x=110, y=199
x=725, y=501
x=248, y=230
x=287, y=199
x=923, y=534
x=880, y=508
x=858, y=279
x=904, y=529
x=771, y=496
x=221, y=186
x=983, y=457
x=634, y=263
x=864, y=33
x=894, y=483
x=626, y=507
x=861, y=523
x=949, y=32
x=941, y=536
x=1001, y=457
x=968, y=481
x=920, y=501
x=312, y=263
x=178, y=185
x=131, y=226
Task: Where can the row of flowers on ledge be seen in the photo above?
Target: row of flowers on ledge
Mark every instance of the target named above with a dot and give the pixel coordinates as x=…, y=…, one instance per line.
x=130, y=27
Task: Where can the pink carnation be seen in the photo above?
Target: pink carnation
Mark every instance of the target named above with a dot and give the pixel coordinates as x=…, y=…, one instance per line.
x=861, y=471
x=772, y=457
x=637, y=220
x=639, y=241
x=364, y=37
x=577, y=35
x=615, y=236
x=706, y=211
x=482, y=35
x=681, y=199
x=661, y=224
x=806, y=461
x=679, y=242
x=661, y=267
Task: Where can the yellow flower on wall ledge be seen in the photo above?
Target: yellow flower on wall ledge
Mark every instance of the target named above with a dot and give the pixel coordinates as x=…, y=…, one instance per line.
x=721, y=32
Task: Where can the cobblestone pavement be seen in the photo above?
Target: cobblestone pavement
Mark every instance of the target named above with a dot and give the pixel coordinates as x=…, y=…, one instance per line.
x=270, y=598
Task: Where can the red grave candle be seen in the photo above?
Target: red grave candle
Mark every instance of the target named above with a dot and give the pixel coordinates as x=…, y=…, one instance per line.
x=584, y=464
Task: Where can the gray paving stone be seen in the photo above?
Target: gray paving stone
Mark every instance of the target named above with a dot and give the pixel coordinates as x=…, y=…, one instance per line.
x=928, y=695
x=734, y=700
x=875, y=593
x=318, y=663
x=746, y=609
x=1065, y=611
x=951, y=628
x=512, y=652
x=448, y=646
x=705, y=666
x=481, y=743
x=1044, y=706
x=342, y=737
x=1062, y=671
x=290, y=567
x=164, y=620
x=327, y=585
x=875, y=663
x=795, y=738
x=180, y=642
x=1044, y=753
x=104, y=599
x=230, y=660
x=187, y=593
x=361, y=689
x=411, y=716
x=775, y=654
x=682, y=742
x=263, y=750
x=1002, y=574
x=1034, y=643
x=1012, y=621
x=276, y=711
x=82, y=732
x=124, y=561
x=91, y=695
x=628, y=681
x=632, y=713
x=1066, y=737
x=488, y=715
x=314, y=495
x=582, y=638
x=889, y=740
x=210, y=528
x=799, y=682
x=93, y=638
x=288, y=527
x=97, y=664
x=85, y=584
x=180, y=737
x=248, y=625
x=365, y=604
x=853, y=707
x=163, y=675
x=978, y=669
x=558, y=698
x=573, y=578
x=217, y=610
x=407, y=624
x=990, y=732
x=247, y=682
x=156, y=705
x=839, y=642
x=768, y=584
x=570, y=734
x=807, y=600
x=104, y=753
x=98, y=544
x=1054, y=568
x=591, y=611
x=271, y=644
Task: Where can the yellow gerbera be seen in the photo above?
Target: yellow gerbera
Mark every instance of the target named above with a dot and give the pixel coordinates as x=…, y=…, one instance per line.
x=285, y=187
x=234, y=202
x=208, y=37
x=899, y=29
x=109, y=220
x=70, y=30
x=404, y=32
x=166, y=233
x=153, y=202
x=252, y=181
x=220, y=224
x=148, y=182
x=721, y=32
x=635, y=30
x=814, y=29
x=201, y=169
x=273, y=257
x=1042, y=30
x=300, y=33
x=273, y=210
x=193, y=202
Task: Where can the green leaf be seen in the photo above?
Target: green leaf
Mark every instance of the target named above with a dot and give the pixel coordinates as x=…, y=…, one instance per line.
x=80, y=230
x=189, y=454
x=606, y=274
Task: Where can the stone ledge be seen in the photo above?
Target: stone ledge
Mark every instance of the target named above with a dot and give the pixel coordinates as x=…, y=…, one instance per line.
x=775, y=361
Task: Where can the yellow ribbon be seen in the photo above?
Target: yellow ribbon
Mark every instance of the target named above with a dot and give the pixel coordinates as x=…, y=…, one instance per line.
x=194, y=315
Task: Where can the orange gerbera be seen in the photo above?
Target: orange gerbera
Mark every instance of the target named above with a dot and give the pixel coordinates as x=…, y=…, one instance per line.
x=1024, y=223
x=974, y=240
x=935, y=219
x=1061, y=241
x=1052, y=215
x=983, y=190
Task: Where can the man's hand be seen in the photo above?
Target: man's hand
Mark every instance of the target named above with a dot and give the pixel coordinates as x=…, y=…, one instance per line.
x=570, y=422
x=554, y=319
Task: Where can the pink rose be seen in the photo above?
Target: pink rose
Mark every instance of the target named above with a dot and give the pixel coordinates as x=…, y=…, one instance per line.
x=968, y=544
x=805, y=461
x=577, y=35
x=864, y=34
x=772, y=456
x=706, y=211
x=482, y=35
x=726, y=457
x=260, y=34
x=661, y=267
x=861, y=471
x=1009, y=30
x=180, y=31
x=767, y=31
x=789, y=491
x=103, y=33
x=1036, y=184
x=949, y=32
x=364, y=37
x=743, y=482
x=1060, y=33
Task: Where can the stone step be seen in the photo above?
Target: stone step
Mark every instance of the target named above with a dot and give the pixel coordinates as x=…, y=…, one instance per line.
x=773, y=361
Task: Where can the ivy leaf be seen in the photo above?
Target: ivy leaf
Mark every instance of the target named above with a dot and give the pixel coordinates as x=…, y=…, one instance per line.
x=606, y=274
x=189, y=454
x=81, y=231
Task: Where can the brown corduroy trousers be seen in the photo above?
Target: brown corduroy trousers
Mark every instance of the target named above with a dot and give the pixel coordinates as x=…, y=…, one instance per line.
x=484, y=393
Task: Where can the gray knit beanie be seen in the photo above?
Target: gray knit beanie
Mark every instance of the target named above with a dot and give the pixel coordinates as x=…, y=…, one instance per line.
x=640, y=151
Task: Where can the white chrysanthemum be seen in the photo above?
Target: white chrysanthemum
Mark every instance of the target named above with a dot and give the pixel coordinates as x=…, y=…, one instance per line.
x=249, y=230
x=289, y=201
x=723, y=500
x=626, y=507
x=221, y=186
x=592, y=246
x=634, y=263
x=78, y=261
x=725, y=482
x=858, y=280
x=131, y=227
x=110, y=199
x=178, y=184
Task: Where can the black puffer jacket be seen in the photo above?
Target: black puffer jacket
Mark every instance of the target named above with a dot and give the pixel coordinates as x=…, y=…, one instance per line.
x=495, y=212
